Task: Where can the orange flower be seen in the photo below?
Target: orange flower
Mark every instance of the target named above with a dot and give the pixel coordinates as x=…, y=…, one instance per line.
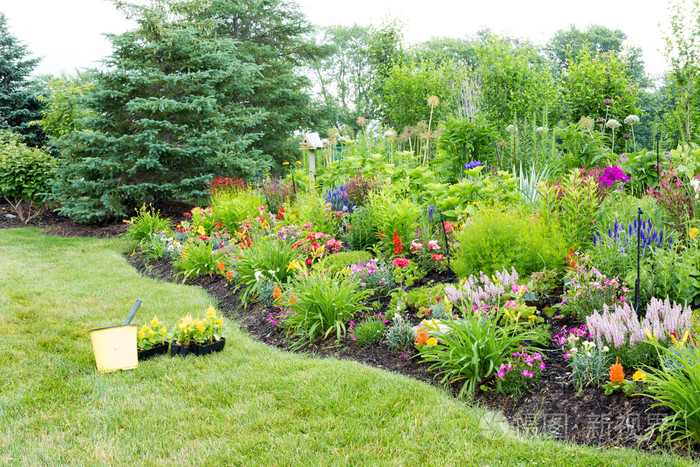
x=421, y=336
x=222, y=266
x=277, y=292
x=292, y=300
x=229, y=274
x=616, y=372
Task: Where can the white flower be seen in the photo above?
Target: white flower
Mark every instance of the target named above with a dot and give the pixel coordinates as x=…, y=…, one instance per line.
x=606, y=349
x=695, y=183
x=613, y=124
x=325, y=142
x=541, y=129
x=631, y=120
x=510, y=129
x=390, y=133
x=258, y=275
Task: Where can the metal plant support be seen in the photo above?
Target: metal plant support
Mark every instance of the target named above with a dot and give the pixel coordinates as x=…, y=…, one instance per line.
x=639, y=251
x=658, y=162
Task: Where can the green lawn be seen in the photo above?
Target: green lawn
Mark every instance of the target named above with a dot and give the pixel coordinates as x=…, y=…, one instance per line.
x=249, y=405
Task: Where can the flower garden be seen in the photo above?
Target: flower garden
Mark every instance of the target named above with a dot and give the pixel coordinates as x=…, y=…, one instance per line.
x=478, y=293
x=494, y=243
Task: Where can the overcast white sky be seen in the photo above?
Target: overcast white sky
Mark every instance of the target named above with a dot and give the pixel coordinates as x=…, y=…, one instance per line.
x=67, y=34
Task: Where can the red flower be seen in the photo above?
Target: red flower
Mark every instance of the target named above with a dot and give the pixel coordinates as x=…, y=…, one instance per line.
x=314, y=246
x=309, y=261
x=438, y=257
x=449, y=226
x=203, y=237
x=187, y=214
x=401, y=262
x=398, y=246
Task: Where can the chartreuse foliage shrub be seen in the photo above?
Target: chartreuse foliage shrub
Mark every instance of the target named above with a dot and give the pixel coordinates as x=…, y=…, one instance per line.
x=338, y=261
x=500, y=237
x=233, y=206
x=24, y=175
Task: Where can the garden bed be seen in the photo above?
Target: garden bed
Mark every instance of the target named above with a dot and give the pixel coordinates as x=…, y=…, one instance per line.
x=552, y=408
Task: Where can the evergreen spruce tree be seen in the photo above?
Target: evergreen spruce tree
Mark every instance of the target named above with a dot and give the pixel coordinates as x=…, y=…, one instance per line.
x=18, y=95
x=171, y=111
x=272, y=34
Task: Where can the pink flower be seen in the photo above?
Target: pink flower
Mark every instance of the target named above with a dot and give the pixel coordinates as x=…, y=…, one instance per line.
x=416, y=246
x=353, y=338
x=433, y=245
x=509, y=303
x=566, y=355
x=401, y=262
x=187, y=214
x=203, y=237
x=501, y=373
x=542, y=366
x=314, y=246
x=438, y=257
x=622, y=299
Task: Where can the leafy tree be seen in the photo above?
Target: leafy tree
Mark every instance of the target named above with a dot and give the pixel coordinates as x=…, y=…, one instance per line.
x=408, y=86
x=18, y=95
x=63, y=106
x=597, y=86
x=683, y=52
x=384, y=52
x=515, y=82
x=343, y=76
x=171, y=109
x=566, y=44
x=447, y=49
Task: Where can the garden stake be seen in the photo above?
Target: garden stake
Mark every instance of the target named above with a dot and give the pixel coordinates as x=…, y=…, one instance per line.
x=447, y=245
x=498, y=153
x=658, y=168
x=294, y=185
x=636, y=283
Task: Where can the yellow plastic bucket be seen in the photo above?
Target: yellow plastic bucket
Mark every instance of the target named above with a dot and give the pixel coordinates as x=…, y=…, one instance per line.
x=115, y=348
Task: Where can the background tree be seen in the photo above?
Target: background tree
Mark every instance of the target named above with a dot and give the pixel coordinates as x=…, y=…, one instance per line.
x=171, y=109
x=384, y=52
x=516, y=83
x=272, y=35
x=342, y=77
x=596, y=85
x=19, y=105
x=63, y=107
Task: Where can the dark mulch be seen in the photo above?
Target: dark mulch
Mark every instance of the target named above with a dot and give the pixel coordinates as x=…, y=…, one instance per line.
x=552, y=407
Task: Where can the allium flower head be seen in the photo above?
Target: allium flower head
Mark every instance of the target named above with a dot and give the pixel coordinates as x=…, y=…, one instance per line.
x=361, y=121
x=631, y=120
x=613, y=124
x=433, y=101
x=607, y=102
x=586, y=123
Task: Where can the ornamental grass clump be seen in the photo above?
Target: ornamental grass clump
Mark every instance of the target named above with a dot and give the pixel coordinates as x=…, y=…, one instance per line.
x=324, y=304
x=472, y=348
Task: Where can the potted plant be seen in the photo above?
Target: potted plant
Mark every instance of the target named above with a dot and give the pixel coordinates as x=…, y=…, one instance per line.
x=199, y=336
x=152, y=339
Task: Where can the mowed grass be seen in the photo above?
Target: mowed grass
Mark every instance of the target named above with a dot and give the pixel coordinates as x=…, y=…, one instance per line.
x=249, y=405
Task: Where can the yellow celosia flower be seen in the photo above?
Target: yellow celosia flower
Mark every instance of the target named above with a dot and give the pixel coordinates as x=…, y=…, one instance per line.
x=145, y=328
x=639, y=375
x=155, y=322
x=694, y=232
x=211, y=312
x=201, y=328
x=141, y=335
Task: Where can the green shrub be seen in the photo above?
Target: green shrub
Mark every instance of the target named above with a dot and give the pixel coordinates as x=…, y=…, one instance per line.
x=337, y=262
x=231, y=207
x=369, y=332
x=25, y=174
x=198, y=258
x=323, y=304
x=361, y=232
x=265, y=258
x=499, y=237
x=145, y=223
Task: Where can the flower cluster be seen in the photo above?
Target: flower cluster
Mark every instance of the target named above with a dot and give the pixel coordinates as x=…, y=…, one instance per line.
x=151, y=334
x=472, y=165
x=613, y=174
x=423, y=338
x=338, y=198
x=620, y=326
x=626, y=237
x=398, y=245
x=374, y=275
x=226, y=184
x=200, y=331
x=519, y=372
x=484, y=290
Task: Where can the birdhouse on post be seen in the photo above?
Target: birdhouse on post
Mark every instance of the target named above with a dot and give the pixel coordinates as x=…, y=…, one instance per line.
x=311, y=142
